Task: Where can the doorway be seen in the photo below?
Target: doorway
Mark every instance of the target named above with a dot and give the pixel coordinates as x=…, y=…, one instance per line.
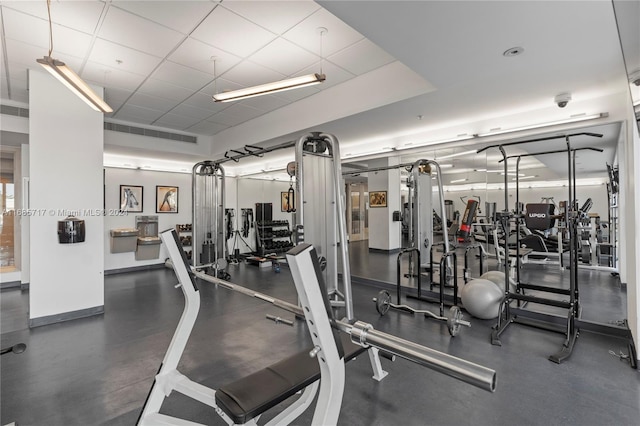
x=357, y=211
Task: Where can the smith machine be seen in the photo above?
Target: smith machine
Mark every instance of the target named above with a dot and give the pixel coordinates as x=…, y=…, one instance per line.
x=571, y=324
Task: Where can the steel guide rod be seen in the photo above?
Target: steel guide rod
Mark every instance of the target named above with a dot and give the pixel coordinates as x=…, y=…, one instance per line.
x=365, y=335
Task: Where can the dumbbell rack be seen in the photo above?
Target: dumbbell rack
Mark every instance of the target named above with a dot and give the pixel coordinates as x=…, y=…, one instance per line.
x=273, y=236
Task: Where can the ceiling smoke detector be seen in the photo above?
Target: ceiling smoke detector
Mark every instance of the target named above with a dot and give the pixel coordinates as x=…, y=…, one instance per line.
x=514, y=51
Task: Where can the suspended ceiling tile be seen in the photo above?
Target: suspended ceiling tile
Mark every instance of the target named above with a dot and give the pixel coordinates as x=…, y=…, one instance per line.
x=108, y=53
x=165, y=90
x=335, y=75
x=276, y=16
x=79, y=15
x=284, y=57
x=265, y=103
x=232, y=33
x=236, y=114
x=338, y=36
x=173, y=121
x=111, y=77
x=207, y=128
x=189, y=111
x=138, y=33
x=151, y=102
x=297, y=94
x=138, y=114
x=182, y=16
x=197, y=55
x=361, y=57
x=203, y=101
x=65, y=40
x=248, y=74
x=116, y=97
x=25, y=54
x=183, y=76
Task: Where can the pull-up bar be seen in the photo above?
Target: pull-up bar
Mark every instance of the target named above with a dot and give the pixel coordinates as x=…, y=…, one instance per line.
x=558, y=151
x=548, y=138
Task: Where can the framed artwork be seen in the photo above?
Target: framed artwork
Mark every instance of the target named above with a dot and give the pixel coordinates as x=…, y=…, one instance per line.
x=166, y=199
x=285, y=202
x=131, y=198
x=378, y=199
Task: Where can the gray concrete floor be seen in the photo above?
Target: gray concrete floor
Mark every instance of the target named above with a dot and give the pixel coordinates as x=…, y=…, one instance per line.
x=98, y=370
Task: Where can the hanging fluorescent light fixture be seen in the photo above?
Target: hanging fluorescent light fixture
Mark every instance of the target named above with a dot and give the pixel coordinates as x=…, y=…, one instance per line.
x=459, y=180
x=458, y=154
x=69, y=78
x=269, y=88
x=548, y=124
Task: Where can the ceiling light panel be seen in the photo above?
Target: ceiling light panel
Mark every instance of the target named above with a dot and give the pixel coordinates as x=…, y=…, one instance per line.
x=232, y=33
x=361, y=57
x=182, y=16
x=339, y=36
x=125, y=28
x=285, y=57
x=283, y=15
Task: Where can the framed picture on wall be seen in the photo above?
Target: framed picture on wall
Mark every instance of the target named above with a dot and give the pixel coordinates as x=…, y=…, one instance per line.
x=131, y=198
x=378, y=199
x=166, y=199
x=287, y=204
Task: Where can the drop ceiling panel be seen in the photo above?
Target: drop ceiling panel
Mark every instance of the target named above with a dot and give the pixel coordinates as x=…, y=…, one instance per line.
x=338, y=37
x=284, y=57
x=232, y=33
x=361, y=57
x=79, y=15
x=189, y=111
x=151, y=102
x=207, y=127
x=65, y=40
x=173, y=121
x=138, y=33
x=283, y=15
x=297, y=94
x=111, y=77
x=197, y=55
x=180, y=16
x=164, y=90
x=138, y=114
x=265, y=103
x=335, y=75
x=248, y=74
x=108, y=53
x=236, y=114
x=203, y=100
x=24, y=55
x=182, y=76
x=116, y=97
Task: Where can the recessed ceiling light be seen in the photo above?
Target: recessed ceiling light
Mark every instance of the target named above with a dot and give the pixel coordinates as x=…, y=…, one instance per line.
x=514, y=51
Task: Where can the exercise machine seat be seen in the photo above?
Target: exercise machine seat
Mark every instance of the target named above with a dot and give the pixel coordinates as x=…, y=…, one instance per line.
x=254, y=394
x=540, y=217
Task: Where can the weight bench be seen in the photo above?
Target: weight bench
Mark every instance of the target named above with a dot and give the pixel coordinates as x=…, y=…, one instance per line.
x=249, y=397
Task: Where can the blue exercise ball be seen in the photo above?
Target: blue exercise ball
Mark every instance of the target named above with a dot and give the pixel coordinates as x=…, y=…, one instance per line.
x=481, y=298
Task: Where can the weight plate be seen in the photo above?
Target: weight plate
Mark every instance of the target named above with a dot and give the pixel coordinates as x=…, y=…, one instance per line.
x=383, y=302
x=453, y=320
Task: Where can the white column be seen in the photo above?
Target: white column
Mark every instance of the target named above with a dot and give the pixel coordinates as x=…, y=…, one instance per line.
x=65, y=162
x=384, y=234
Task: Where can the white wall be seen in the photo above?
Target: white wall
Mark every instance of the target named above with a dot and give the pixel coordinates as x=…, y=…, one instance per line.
x=384, y=233
x=148, y=180
x=66, y=141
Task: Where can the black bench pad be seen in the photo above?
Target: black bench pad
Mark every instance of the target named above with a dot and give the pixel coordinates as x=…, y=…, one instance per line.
x=254, y=394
